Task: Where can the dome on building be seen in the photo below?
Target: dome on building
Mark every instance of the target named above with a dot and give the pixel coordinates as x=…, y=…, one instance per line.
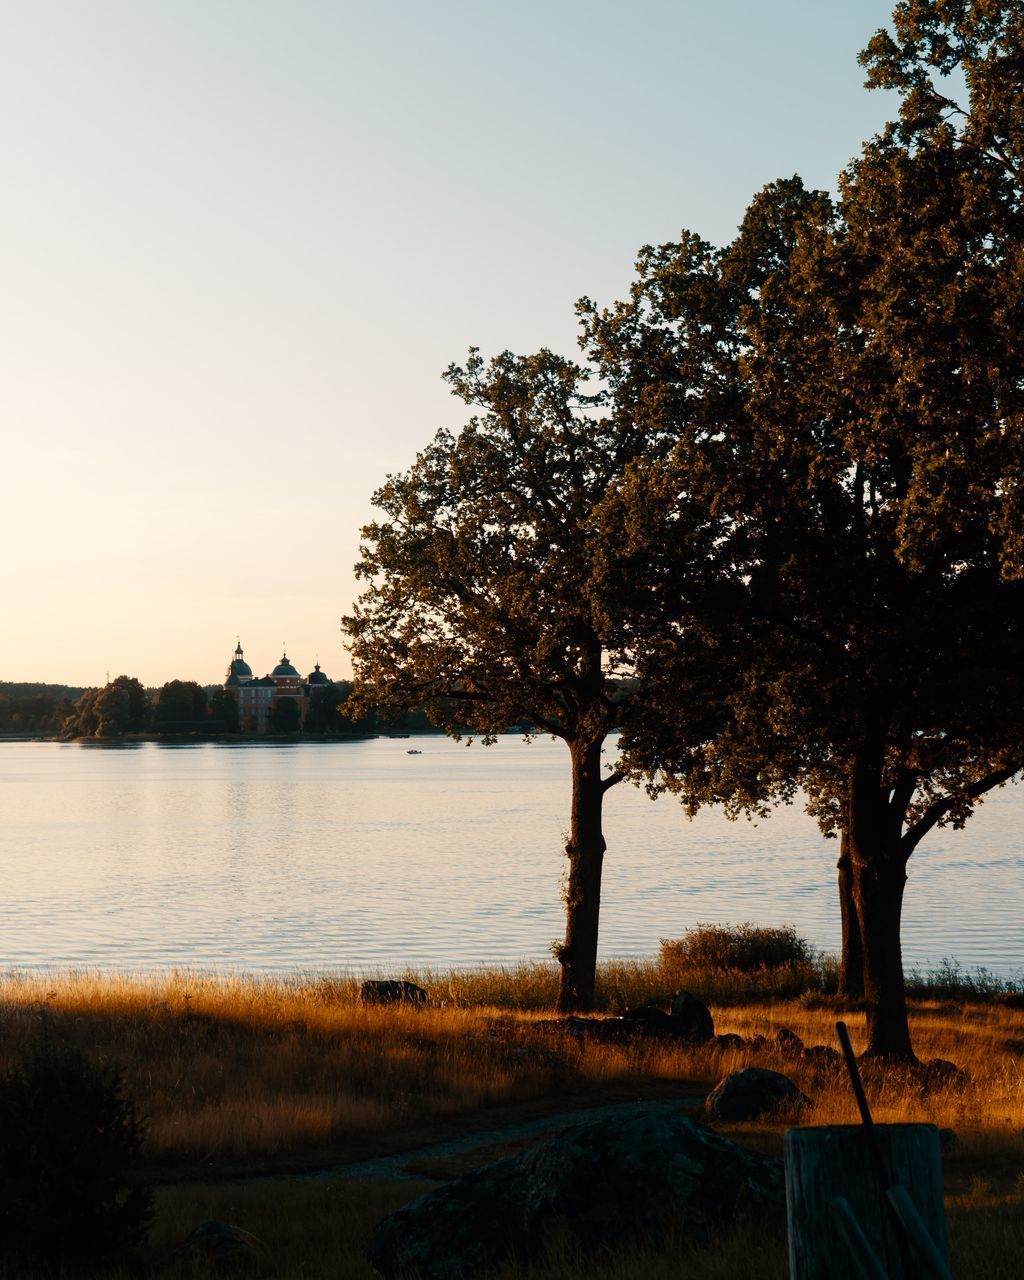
x=239, y=668
x=284, y=668
x=317, y=677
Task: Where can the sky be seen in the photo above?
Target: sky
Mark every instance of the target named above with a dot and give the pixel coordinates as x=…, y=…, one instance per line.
x=241, y=240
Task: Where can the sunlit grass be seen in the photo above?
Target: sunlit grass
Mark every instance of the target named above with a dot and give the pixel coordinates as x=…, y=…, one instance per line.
x=245, y=1066
x=260, y=1071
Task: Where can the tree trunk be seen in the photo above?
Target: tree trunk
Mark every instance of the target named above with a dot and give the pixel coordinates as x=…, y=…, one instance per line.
x=879, y=868
x=851, y=965
x=879, y=892
x=585, y=851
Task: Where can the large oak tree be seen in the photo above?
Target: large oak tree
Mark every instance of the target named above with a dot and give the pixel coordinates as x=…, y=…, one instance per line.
x=478, y=603
x=864, y=487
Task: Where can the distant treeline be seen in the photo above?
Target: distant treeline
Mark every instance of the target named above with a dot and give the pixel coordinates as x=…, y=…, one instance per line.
x=185, y=708
x=35, y=708
x=125, y=706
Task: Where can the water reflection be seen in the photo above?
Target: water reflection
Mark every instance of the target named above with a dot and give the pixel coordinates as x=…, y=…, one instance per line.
x=357, y=854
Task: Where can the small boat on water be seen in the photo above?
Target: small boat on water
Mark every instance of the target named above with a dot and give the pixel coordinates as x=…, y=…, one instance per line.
x=413, y=752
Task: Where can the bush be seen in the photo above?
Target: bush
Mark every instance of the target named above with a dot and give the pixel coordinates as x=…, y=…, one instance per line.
x=71, y=1142
x=737, y=947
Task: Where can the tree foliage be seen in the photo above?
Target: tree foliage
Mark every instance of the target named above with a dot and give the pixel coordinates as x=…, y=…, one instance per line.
x=181, y=704
x=479, y=606
x=69, y=1164
x=120, y=707
x=864, y=632
x=286, y=716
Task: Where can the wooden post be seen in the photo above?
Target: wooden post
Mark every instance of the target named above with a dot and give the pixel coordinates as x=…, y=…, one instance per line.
x=835, y=1162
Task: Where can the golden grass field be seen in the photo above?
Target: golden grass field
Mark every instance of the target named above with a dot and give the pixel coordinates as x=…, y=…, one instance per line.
x=240, y=1077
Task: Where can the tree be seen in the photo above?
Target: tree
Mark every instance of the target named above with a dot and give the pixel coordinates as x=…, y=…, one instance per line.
x=181, y=705
x=958, y=67
x=286, y=716
x=224, y=710
x=867, y=642
x=120, y=707
x=324, y=714
x=479, y=606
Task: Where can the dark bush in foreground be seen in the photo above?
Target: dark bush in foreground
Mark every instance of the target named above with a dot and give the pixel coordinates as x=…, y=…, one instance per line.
x=70, y=1140
x=737, y=947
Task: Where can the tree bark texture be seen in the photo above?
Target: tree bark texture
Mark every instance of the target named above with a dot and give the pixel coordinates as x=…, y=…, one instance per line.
x=585, y=851
x=851, y=965
x=879, y=867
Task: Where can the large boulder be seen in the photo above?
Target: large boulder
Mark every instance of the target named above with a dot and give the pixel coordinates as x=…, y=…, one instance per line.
x=599, y=1185
x=691, y=1018
x=752, y=1093
x=391, y=991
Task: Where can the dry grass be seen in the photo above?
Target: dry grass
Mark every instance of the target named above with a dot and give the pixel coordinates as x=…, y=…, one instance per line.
x=238, y=1066
x=275, y=1073
x=242, y=1067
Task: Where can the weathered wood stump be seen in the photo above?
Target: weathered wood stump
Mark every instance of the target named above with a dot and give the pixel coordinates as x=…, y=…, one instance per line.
x=835, y=1162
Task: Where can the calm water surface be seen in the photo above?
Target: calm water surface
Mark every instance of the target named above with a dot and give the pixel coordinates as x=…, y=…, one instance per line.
x=358, y=855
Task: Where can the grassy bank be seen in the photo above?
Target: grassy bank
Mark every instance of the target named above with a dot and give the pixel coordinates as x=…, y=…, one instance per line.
x=246, y=1076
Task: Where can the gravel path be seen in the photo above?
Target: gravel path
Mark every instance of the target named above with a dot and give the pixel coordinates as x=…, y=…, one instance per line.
x=393, y=1167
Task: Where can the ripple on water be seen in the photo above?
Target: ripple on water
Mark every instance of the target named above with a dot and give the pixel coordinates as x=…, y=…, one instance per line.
x=353, y=856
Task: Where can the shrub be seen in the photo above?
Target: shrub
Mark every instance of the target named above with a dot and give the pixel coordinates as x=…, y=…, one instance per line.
x=737, y=947
x=71, y=1141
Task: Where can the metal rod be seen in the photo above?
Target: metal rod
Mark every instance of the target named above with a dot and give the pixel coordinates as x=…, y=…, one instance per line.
x=845, y=1042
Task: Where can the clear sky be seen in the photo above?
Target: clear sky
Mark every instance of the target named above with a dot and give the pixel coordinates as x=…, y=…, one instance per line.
x=240, y=240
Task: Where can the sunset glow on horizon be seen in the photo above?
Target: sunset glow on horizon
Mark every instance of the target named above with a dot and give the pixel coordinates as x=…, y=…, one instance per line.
x=241, y=243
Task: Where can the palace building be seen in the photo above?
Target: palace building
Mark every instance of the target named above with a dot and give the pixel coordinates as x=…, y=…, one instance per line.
x=257, y=698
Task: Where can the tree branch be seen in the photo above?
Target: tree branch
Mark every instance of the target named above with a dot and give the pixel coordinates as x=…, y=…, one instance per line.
x=939, y=808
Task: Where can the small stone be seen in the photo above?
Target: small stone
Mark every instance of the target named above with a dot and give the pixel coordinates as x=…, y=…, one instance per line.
x=752, y=1093
x=221, y=1246
x=391, y=991
x=691, y=1018
x=649, y=1019
x=785, y=1041
x=824, y=1057
x=727, y=1042
x=939, y=1073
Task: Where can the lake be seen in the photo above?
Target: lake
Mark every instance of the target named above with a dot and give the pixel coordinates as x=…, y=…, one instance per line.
x=360, y=856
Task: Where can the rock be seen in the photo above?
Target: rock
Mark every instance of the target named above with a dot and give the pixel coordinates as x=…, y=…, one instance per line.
x=607, y=1030
x=785, y=1041
x=691, y=1018
x=603, y=1184
x=728, y=1041
x=221, y=1246
x=752, y=1093
x=648, y=1019
x=391, y=991
x=948, y=1141
x=692, y=1024
x=938, y=1073
x=823, y=1057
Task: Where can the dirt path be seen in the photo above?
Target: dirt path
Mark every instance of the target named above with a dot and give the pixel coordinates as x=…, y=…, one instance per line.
x=395, y=1167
